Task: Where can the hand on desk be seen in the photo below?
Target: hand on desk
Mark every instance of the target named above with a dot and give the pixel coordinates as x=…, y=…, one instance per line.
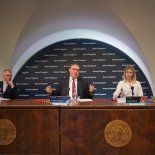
x=91, y=88
x=49, y=89
x=114, y=98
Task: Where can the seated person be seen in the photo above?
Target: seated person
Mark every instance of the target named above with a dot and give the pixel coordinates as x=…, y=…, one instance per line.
x=129, y=86
x=7, y=88
x=72, y=85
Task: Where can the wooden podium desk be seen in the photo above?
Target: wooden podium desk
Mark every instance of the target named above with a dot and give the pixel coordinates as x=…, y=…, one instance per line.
x=87, y=128
x=37, y=128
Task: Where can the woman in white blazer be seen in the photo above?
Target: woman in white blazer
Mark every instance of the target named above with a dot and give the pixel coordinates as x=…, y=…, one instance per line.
x=129, y=86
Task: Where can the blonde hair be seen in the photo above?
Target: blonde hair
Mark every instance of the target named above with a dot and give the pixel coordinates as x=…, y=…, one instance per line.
x=134, y=79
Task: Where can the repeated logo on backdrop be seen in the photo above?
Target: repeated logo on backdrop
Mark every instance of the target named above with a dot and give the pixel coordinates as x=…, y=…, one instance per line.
x=101, y=64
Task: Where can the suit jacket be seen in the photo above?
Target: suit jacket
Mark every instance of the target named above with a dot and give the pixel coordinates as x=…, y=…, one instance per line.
x=82, y=88
x=10, y=93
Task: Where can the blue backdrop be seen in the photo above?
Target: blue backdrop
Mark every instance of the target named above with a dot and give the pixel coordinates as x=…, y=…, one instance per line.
x=101, y=64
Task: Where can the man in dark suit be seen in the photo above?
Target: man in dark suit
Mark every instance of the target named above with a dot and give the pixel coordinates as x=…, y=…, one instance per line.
x=7, y=88
x=67, y=88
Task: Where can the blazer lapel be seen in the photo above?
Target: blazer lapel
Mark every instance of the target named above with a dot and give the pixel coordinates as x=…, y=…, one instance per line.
x=65, y=90
x=79, y=87
x=1, y=86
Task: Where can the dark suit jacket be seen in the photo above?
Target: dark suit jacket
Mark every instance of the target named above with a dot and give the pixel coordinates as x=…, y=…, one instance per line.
x=10, y=93
x=82, y=88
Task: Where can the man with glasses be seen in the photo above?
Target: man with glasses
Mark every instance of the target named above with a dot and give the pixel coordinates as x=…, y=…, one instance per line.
x=73, y=85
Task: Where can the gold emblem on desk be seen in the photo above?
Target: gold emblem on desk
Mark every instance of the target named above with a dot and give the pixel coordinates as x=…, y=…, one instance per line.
x=7, y=132
x=117, y=133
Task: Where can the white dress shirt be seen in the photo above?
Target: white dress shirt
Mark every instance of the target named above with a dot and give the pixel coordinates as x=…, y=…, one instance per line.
x=5, y=85
x=124, y=88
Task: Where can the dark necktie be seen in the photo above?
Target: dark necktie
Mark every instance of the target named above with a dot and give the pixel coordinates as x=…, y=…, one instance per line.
x=73, y=89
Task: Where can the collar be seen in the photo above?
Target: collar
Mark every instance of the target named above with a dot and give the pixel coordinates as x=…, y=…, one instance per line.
x=70, y=79
x=5, y=82
x=129, y=82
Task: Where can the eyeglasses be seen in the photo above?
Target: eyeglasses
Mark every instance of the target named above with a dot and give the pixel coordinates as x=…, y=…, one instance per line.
x=8, y=75
x=74, y=69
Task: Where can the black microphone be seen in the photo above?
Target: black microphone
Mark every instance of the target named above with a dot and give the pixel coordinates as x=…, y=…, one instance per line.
x=119, y=96
x=132, y=88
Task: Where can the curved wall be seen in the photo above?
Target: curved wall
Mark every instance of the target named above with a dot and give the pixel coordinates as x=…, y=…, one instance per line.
x=53, y=21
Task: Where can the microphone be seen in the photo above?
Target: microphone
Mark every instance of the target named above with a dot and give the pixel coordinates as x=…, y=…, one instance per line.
x=132, y=88
x=119, y=96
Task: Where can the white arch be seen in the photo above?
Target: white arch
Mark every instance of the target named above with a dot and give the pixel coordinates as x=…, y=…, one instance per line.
x=81, y=33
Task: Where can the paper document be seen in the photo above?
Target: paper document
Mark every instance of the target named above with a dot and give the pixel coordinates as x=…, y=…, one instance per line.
x=5, y=99
x=140, y=103
x=59, y=103
x=85, y=100
x=121, y=100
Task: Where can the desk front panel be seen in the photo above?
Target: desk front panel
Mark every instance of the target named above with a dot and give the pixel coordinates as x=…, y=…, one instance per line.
x=37, y=131
x=83, y=131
